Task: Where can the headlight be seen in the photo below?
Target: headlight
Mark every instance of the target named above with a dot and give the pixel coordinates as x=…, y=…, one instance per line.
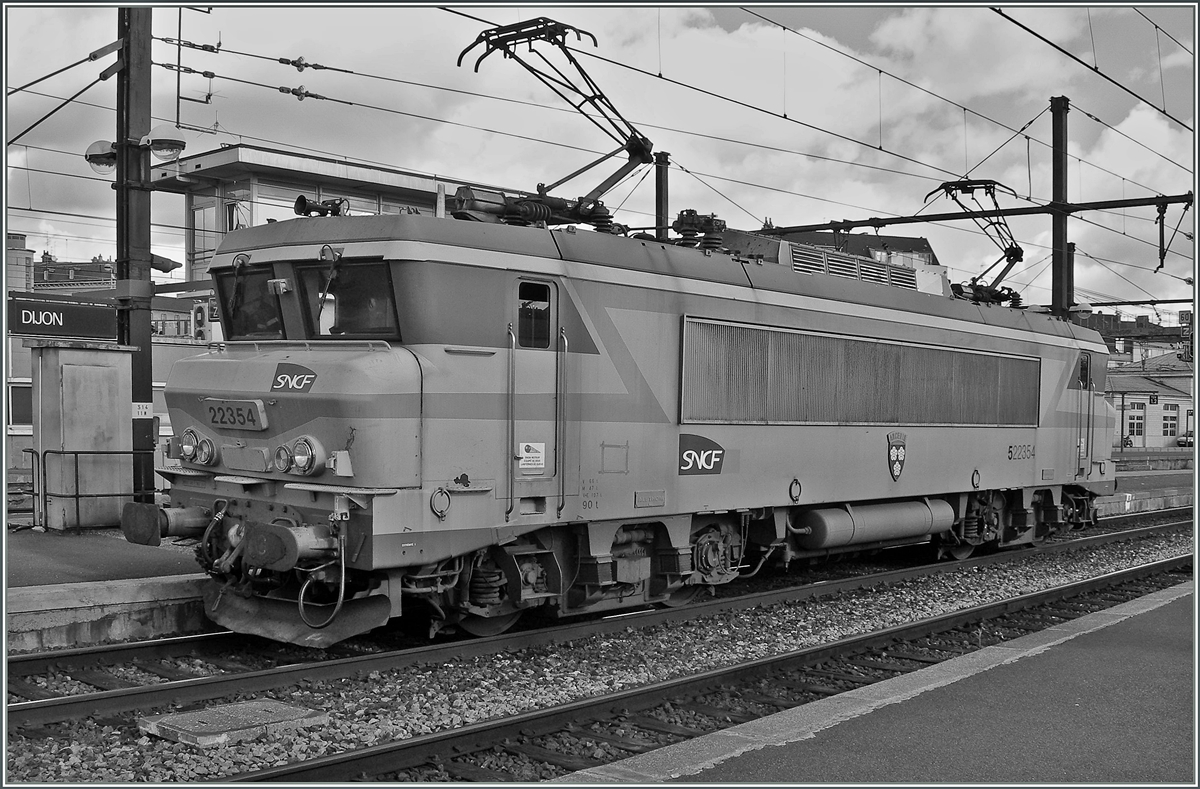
x=206, y=453
x=283, y=458
x=304, y=455
x=187, y=444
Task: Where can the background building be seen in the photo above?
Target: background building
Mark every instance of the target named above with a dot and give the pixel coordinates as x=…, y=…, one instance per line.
x=1154, y=398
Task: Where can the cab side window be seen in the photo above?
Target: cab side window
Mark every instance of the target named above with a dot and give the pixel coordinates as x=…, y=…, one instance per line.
x=533, y=315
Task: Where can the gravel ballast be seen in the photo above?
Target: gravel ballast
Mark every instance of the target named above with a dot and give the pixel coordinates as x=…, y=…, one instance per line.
x=399, y=704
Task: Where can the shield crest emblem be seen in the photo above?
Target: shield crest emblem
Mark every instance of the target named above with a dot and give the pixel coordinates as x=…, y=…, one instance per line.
x=896, y=452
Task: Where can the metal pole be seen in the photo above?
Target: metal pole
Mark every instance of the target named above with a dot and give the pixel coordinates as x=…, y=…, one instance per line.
x=1062, y=294
x=135, y=290
x=662, y=219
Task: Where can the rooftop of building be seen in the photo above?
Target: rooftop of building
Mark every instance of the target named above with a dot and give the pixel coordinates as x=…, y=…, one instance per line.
x=1164, y=364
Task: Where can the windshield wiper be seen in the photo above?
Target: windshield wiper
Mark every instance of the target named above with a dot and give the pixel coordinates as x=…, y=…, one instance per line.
x=335, y=260
x=239, y=283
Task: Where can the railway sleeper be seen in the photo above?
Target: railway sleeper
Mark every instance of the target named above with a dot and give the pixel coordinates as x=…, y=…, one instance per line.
x=810, y=687
x=1063, y=613
x=99, y=678
x=1022, y=621
x=775, y=701
x=226, y=664
x=722, y=714
x=29, y=690
x=853, y=679
x=472, y=772
x=654, y=724
x=624, y=743
x=35, y=731
x=164, y=671
x=881, y=665
x=567, y=761
x=903, y=655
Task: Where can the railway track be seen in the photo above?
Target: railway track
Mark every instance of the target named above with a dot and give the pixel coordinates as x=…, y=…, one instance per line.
x=187, y=671
x=549, y=743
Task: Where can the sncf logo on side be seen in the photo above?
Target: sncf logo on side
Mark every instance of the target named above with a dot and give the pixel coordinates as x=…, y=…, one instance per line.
x=699, y=455
x=292, y=378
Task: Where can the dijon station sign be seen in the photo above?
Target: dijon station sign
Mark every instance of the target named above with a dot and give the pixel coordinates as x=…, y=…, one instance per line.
x=36, y=318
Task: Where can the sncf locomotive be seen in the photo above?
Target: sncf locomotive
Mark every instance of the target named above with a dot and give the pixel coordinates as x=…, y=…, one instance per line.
x=469, y=419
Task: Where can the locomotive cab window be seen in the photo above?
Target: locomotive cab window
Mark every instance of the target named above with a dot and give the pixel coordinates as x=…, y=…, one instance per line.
x=250, y=309
x=533, y=315
x=350, y=300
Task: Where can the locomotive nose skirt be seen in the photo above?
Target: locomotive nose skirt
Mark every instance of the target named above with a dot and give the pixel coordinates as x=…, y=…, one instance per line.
x=279, y=619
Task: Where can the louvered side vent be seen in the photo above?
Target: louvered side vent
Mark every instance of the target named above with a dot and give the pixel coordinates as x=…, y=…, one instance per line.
x=742, y=374
x=807, y=261
x=814, y=260
x=842, y=265
x=873, y=272
x=901, y=277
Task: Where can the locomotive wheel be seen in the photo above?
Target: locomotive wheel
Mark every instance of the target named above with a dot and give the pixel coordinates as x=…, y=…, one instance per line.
x=682, y=597
x=962, y=550
x=484, y=626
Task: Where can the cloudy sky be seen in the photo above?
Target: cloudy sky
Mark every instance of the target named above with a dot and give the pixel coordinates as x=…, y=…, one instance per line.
x=795, y=115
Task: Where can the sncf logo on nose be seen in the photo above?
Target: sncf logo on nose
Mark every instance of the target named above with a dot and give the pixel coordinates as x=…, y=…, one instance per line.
x=699, y=455
x=292, y=378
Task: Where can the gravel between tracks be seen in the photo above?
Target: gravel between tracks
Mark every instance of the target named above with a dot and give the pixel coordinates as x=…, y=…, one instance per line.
x=399, y=704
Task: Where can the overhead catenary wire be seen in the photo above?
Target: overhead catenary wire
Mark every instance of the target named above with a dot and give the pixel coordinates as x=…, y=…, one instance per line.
x=925, y=90
x=285, y=61
x=993, y=153
x=1164, y=32
x=726, y=98
x=874, y=67
x=708, y=175
x=107, y=181
x=1079, y=251
x=538, y=105
x=801, y=123
x=1094, y=70
x=51, y=74
x=302, y=94
x=39, y=121
x=106, y=219
x=713, y=188
x=748, y=106
x=1115, y=130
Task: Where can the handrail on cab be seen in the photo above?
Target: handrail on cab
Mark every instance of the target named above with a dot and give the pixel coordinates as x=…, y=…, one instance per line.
x=560, y=426
x=508, y=450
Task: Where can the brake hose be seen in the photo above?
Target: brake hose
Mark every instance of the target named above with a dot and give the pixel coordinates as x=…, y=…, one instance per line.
x=341, y=587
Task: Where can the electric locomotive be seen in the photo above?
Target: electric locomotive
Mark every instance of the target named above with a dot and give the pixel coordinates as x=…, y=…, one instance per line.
x=475, y=415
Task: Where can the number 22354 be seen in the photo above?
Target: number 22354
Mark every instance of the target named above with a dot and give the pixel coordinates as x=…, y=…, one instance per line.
x=1020, y=451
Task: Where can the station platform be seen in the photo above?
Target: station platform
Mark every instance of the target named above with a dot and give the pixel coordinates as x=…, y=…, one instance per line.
x=1108, y=698
x=90, y=586
x=67, y=589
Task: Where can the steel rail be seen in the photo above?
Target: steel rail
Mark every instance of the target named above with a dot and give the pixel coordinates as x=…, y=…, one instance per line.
x=44, y=711
x=379, y=759
x=79, y=657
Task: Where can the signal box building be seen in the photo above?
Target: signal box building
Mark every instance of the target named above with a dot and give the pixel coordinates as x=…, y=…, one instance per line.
x=244, y=185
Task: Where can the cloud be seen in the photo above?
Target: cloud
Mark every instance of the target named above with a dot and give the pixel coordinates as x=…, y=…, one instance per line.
x=717, y=109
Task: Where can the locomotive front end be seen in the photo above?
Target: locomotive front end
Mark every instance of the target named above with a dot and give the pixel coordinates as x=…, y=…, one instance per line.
x=290, y=437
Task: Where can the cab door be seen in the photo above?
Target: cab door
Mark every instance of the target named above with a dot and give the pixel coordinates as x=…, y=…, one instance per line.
x=536, y=400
